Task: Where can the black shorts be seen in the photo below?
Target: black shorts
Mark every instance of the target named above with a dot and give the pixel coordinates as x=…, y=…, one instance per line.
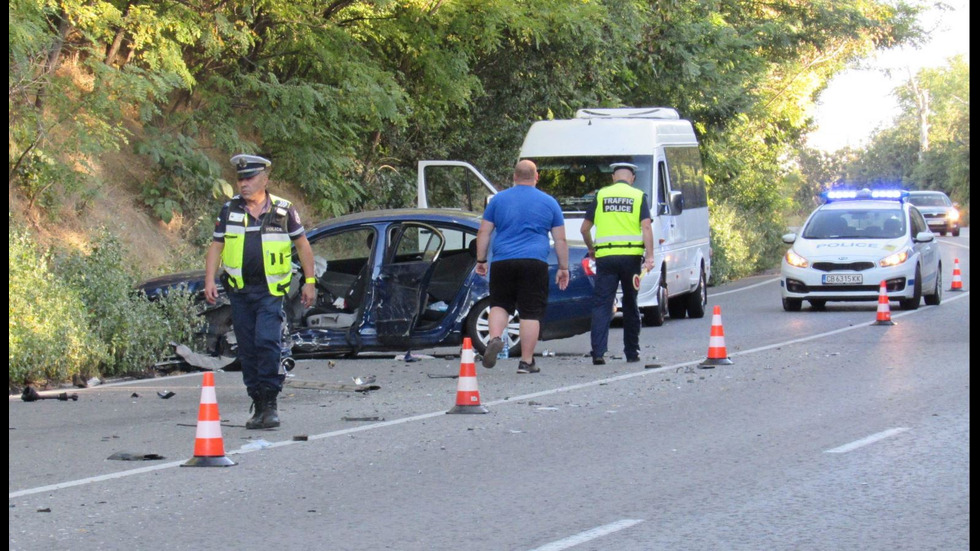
x=521, y=284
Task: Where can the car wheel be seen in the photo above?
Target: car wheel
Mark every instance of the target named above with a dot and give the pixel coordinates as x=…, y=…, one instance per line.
x=223, y=347
x=792, y=304
x=913, y=302
x=819, y=305
x=956, y=232
x=698, y=299
x=942, y=233
x=478, y=328
x=677, y=307
x=654, y=316
x=937, y=296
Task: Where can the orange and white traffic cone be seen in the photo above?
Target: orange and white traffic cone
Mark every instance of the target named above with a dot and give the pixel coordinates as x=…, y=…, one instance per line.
x=957, y=279
x=884, y=312
x=467, y=394
x=717, y=354
x=209, y=447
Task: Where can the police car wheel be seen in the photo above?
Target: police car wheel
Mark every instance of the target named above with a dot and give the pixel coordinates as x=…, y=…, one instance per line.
x=792, y=304
x=937, y=295
x=913, y=302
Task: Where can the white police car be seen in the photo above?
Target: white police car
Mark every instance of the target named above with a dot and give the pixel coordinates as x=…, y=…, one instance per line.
x=855, y=241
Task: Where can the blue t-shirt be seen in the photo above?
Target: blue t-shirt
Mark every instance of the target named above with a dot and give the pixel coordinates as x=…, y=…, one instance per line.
x=522, y=218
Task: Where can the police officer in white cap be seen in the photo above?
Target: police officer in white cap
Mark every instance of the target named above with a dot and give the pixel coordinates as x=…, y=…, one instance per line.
x=623, y=245
x=253, y=240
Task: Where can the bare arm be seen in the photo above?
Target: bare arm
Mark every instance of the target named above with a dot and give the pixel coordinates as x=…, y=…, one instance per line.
x=647, y=228
x=482, y=244
x=211, y=264
x=305, y=253
x=561, y=250
x=587, y=236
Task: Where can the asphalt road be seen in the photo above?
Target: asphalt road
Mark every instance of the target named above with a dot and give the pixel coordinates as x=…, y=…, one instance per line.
x=826, y=432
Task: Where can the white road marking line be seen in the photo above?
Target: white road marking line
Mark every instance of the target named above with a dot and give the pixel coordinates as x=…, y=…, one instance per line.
x=947, y=242
x=867, y=440
x=512, y=399
x=766, y=282
x=588, y=535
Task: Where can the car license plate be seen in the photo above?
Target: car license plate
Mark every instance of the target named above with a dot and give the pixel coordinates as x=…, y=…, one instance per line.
x=843, y=279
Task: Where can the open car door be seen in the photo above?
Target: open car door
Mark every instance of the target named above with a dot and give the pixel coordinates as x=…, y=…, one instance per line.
x=453, y=185
x=404, y=279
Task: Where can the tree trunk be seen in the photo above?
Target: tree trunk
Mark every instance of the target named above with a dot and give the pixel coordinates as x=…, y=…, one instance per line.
x=118, y=40
x=54, y=56
x=114, y=49
x=922, y=108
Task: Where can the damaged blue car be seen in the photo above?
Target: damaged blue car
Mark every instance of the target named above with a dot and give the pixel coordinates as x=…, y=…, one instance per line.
x=397, y=280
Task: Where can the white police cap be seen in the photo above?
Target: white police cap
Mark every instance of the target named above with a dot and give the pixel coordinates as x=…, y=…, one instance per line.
x=249, y=165
x=617, y=166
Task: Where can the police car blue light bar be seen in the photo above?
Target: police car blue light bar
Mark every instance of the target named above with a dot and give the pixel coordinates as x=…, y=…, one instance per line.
x=889, y=194
x=837, y=195
x=851, y=194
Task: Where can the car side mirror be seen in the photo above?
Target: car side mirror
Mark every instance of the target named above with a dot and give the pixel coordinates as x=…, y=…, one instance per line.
x=676, y=202
x=789, y=238
x=924, y=237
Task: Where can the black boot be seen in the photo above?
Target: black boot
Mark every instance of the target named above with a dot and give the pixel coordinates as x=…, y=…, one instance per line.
x=270, y=413
x=257, y=408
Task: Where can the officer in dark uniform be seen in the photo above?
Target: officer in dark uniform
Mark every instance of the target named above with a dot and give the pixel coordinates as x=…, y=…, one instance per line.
x=253, y=240
x=623, y=245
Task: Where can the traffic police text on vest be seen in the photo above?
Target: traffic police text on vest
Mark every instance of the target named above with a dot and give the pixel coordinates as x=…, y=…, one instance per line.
x=617, y=218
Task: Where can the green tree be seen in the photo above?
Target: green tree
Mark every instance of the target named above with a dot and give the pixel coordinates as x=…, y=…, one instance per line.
x=945, y=165
x=67, y=103
x=909, y=155
x=748, y=74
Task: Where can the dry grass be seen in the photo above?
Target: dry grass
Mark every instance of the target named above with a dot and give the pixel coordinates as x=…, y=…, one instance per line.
x=155, y=247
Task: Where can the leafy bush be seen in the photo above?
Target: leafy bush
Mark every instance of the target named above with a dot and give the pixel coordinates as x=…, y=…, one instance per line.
x=48, y=336
x=729, y=250
x=46, y=182
x=183, y=176
x=134, y=331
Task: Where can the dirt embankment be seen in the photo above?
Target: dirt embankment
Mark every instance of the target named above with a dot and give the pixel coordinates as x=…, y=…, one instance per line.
x=154, y=247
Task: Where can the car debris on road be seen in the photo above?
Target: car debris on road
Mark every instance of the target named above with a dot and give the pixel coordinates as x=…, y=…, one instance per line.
x=320, y=385
x=30, y=394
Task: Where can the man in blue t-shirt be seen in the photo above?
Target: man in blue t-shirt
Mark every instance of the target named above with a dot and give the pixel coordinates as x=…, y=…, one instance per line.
x=520, y=219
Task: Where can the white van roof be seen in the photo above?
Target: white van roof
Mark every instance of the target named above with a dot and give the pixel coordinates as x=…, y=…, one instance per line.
x=628, y=112
x=605, y=136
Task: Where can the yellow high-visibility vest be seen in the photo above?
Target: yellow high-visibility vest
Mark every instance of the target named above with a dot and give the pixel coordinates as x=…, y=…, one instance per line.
x=617, y=221
x=277, y=250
